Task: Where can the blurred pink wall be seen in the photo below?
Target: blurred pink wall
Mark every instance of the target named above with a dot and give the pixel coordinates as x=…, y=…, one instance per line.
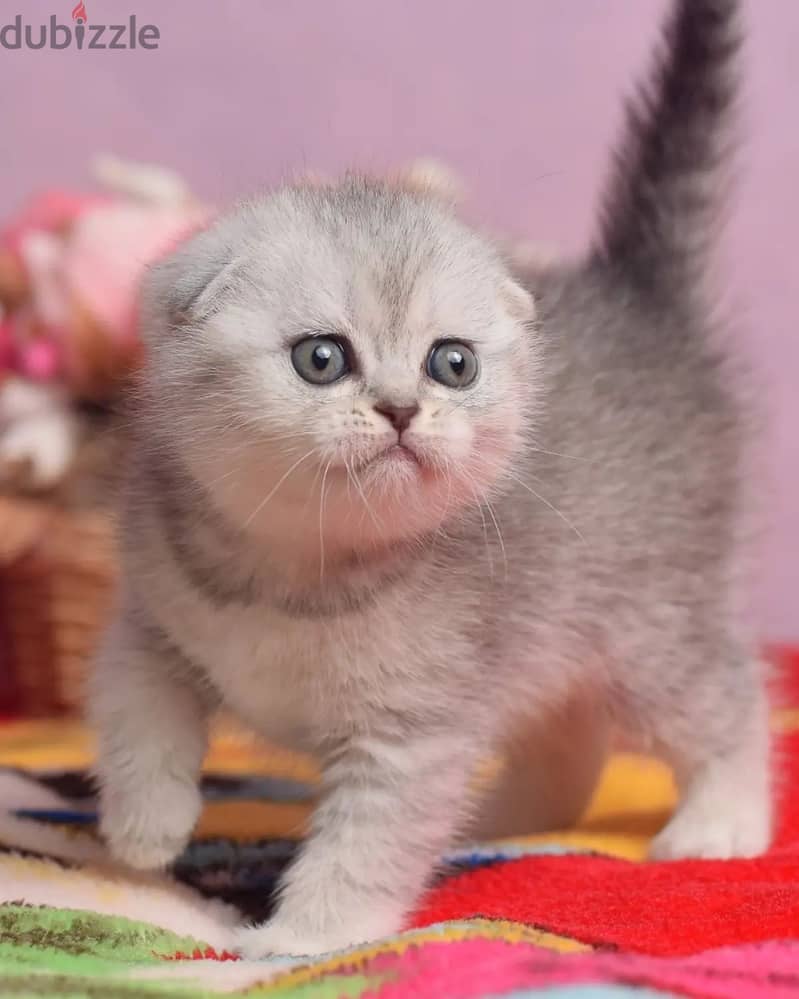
x=521, y=97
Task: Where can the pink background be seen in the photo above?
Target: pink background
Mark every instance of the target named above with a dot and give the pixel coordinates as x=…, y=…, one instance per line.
x=521, y=97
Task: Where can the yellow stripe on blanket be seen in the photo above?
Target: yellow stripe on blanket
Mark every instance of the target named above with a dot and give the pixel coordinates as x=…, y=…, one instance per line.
x=633, y=800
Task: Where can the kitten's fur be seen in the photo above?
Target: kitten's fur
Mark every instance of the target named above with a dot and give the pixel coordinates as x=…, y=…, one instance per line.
x=566, y=558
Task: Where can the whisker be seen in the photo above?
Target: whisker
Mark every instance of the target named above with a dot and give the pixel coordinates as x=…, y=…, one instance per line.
x=556, y=454
x=321, y=519
x=440, y=532
x=501, y=540
x=220, y=478
x=485, y=532
x=367, y=505
x=458, y=405
x=482, y=500
x=551, y=506
x=312, y=487
x=349, y=480
x=277, y=486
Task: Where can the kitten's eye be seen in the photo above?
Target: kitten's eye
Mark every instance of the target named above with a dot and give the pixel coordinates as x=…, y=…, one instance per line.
x=453, y=364
x=319, y=360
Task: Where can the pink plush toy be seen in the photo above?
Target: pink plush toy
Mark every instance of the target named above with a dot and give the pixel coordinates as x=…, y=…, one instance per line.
x=70, y=266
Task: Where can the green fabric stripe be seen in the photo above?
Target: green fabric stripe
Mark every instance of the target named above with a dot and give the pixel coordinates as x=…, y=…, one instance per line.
x=66, y=952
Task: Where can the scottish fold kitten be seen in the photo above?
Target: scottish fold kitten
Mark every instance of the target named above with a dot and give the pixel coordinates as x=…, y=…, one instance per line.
x=394, y=505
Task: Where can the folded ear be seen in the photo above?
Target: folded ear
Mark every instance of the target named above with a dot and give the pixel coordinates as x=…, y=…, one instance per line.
x=186, y=286
x=518, y=301
x=526, y=256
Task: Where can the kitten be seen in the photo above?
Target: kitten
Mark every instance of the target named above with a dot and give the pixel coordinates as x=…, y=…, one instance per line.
x=393, y=506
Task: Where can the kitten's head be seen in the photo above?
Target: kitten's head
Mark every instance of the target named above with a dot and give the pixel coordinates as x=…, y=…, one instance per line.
x=352, y=359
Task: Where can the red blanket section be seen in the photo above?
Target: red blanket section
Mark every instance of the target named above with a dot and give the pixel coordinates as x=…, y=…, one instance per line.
x=663, y=909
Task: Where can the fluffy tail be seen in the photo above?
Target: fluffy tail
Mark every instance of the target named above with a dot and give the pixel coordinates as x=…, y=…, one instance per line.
x=662, y=208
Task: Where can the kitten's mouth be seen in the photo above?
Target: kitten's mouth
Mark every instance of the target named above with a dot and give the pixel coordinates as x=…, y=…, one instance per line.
x=397, y=454
x=407, y=460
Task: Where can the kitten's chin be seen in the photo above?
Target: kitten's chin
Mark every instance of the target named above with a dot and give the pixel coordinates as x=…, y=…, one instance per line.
x=395, y=465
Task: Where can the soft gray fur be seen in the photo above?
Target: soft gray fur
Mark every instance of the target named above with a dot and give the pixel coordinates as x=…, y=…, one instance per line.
x=563, y=557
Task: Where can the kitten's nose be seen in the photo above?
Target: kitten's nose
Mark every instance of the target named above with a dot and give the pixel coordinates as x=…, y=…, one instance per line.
x=398, y=416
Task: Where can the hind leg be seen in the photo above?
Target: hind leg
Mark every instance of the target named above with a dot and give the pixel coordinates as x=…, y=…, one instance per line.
x=719, y=749
x=551, y=767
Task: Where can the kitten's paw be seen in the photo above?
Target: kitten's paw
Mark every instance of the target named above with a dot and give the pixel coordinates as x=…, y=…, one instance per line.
x=276, y=939
x=735, y=831
x=281, y=937
x=149, y=829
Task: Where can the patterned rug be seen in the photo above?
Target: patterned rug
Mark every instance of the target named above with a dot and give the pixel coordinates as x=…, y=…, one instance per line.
x=572, y=914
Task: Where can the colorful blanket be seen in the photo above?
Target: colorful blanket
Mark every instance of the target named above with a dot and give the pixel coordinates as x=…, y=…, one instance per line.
x=572, y=914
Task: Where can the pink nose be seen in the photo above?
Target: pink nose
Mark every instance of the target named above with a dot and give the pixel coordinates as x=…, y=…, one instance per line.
x=398, y=416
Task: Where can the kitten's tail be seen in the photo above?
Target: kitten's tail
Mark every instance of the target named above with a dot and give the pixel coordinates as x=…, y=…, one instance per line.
x=662, y=207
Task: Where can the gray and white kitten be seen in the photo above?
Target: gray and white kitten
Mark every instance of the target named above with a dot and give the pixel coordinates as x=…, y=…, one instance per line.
x=391, y=505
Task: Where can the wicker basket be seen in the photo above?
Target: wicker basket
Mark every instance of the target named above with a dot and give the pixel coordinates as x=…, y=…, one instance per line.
x=57, y=578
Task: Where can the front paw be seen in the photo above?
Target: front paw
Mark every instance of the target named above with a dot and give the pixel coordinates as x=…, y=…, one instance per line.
x=273, y=939
x=148, y=828
x=276, y=938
